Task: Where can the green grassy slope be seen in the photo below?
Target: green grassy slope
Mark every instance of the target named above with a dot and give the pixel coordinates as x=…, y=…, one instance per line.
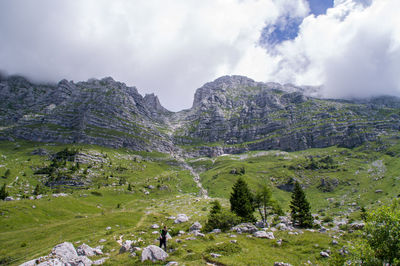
x=30, y=228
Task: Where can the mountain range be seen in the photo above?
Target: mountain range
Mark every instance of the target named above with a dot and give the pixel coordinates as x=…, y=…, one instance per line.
x=231, y=114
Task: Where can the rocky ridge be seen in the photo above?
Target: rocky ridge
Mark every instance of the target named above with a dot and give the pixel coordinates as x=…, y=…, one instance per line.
x=232, y=114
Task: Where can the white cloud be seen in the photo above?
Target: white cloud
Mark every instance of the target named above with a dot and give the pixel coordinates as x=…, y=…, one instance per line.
x=173, y=47
x=353, y=50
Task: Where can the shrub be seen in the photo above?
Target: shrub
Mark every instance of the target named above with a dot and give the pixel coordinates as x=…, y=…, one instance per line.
x=96, y=193
x=224, y=249
x=381, y=243
x=223, y=220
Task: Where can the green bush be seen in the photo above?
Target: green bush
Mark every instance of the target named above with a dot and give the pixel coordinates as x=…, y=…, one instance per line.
x=224, y=249
x=223, y=220
x=381, y=238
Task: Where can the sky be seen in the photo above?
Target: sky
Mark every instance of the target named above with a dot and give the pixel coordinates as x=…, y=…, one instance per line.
x=349, y=47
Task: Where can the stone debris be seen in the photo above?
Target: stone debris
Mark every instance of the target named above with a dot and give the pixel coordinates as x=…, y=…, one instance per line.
x=245, y=228
x=215, y=255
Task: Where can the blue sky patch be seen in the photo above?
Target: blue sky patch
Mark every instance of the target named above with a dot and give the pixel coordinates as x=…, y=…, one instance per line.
x=287, y=28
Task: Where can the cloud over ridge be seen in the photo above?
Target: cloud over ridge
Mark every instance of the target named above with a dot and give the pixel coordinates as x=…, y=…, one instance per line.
x=173, y=47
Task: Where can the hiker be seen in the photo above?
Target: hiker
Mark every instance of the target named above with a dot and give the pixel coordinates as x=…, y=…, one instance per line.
x=163, y=237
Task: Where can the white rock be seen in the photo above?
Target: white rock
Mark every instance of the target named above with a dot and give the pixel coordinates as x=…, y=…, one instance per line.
x=181, y=218
x=126, y=246
x=172, y=263
x=9, y=198
x=100, y=261
x=281, y=226
x=324, y=254
x=155, y=226
x=215, y=255
x=153, y=253
x=65, y=251
x=85, y=250
x=216, y=231
x=195, y=227
x=108, y=228
x=263, y=234
x=282, y=264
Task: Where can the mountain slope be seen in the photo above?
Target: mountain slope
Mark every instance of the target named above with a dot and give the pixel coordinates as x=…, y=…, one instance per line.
x=232, y=114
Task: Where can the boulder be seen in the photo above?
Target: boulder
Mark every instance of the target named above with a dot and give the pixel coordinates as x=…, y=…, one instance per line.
x=357, y=225
x=282, y=264
x=126, y=246
x=65, y=251
x=281, y=226
x=263, y=234
x=9, y=198
x=181, y=218
x=85, y=250
x=172, y=263
x=245, y=228
x=215, y=255
x=324, y=254
x=195, y=227
x=153, y=253
x=216, y=231
x=100, y=261
x=155, y=226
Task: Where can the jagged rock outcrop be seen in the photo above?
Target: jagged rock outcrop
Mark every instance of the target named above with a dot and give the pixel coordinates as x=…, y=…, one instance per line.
x=232, y=114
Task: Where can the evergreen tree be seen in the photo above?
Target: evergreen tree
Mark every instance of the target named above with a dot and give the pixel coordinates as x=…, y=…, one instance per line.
x=38, y=190
x=7, y=173
x=129, y=187
x=242, y=201
x=3, y=192
x=220, y=218
x=215, y=207
x=301, y=214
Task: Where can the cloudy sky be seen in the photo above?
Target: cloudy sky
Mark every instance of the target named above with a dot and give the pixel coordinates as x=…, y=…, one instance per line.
x=171, y=48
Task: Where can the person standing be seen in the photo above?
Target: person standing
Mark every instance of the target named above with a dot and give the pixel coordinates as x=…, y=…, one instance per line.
x=163, y=238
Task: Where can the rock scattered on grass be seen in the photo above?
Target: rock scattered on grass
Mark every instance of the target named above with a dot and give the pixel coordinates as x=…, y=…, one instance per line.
x=181, y=218
x=263, y=234
x=153, y=253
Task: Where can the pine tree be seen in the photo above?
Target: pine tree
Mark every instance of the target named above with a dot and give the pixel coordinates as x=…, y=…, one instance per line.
x=38, y=190
x=129, y=187
x=301, y=214
x=215, y=207
x=242, y=201
x=3, y=192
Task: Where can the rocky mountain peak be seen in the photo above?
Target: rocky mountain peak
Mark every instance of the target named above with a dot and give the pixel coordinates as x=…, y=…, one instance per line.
x=220, y=85
x=153, y=103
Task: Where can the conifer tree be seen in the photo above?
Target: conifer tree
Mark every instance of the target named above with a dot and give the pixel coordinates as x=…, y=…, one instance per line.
x=242, y=201
x=3, y=192
x=38, y=190
x=301, y=214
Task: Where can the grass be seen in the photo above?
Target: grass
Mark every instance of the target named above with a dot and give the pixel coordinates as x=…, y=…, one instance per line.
x=30, y=228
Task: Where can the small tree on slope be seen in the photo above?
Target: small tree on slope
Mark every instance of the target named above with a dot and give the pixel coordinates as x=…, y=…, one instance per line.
x=242, y=201
x=3, y=192
x=301, y=214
